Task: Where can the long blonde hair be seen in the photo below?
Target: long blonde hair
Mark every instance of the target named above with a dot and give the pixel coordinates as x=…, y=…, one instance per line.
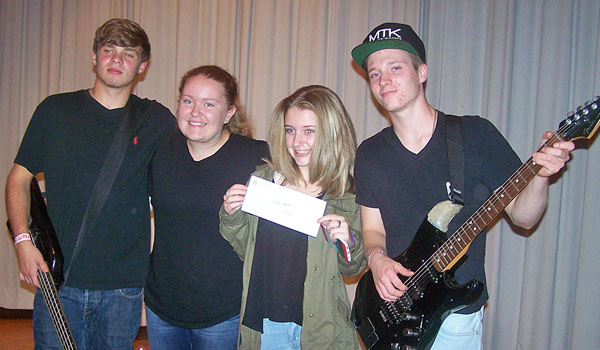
x=332, y=158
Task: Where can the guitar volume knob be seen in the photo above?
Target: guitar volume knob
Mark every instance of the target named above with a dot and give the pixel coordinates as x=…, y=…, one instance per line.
x=407, y=332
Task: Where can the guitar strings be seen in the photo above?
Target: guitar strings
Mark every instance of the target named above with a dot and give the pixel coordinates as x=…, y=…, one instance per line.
x=66, y=335
x=462, y=233
x=422, y=275
x=55, y=310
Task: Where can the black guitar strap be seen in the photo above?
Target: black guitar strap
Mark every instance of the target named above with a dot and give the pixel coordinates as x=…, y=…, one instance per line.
x=106, y=178
x=456, y=159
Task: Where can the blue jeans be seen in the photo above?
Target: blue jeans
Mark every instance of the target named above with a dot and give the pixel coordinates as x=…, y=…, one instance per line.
x=99, y=319
x=461, y=332
x=280, y=335
x=164, y=336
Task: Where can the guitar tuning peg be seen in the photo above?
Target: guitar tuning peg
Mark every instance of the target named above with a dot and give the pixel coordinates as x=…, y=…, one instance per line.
x=579, y=108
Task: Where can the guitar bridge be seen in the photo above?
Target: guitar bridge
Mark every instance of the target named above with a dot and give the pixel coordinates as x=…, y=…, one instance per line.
x=392, y=312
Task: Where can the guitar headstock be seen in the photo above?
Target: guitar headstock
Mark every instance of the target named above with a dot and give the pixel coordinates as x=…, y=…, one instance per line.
x=582, y=123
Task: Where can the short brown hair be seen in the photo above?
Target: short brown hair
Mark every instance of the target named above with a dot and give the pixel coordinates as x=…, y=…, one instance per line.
x=332, y=158
x=239, y=122
x=125, y=33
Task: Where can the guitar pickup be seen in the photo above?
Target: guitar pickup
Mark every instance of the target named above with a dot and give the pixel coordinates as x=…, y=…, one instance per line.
x=405, y=301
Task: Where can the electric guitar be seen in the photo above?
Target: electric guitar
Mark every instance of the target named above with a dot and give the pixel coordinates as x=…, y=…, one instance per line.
x=44, y=238
x=413, y=320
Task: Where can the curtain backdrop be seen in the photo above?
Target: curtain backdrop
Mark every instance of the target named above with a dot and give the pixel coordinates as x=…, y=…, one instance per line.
x=521, y=64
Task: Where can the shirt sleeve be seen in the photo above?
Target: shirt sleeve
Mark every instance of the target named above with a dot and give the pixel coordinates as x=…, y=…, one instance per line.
x=497, y=160
x=31, y=150
x=363, y=174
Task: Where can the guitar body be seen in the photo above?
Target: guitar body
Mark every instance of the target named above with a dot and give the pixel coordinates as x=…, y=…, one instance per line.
x=412, y=322
x=45, y=240
x=43, y=234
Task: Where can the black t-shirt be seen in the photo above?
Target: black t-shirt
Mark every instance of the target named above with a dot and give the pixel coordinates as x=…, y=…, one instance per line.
x=276, y=288
x=405, y=186
x=195, y=277
x=68, y=139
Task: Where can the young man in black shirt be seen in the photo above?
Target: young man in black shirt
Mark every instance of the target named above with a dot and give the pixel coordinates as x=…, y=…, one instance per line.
x=401, y=173
x=68, y=139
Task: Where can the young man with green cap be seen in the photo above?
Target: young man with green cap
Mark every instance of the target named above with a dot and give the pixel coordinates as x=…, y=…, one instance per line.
x=401, y=173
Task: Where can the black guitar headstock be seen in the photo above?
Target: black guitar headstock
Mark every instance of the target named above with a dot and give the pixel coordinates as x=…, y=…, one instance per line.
x=582, y=123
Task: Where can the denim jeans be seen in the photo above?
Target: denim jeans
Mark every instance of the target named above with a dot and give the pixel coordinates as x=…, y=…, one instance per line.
x=165, y=336
x=461, y=332
x=99, y=319
x=280, y=335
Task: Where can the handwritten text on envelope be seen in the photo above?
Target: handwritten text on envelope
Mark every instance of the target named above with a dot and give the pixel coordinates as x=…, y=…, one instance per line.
x=283, y=206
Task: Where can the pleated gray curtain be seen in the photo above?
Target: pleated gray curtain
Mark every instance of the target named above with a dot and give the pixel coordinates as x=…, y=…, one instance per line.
x=521, y=64
x=524, y=65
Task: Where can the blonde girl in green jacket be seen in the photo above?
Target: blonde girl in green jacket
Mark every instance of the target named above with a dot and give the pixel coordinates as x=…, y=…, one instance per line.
x=294, y=294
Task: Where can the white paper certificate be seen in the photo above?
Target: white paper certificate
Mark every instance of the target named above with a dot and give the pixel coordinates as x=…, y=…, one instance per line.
x=283, y=206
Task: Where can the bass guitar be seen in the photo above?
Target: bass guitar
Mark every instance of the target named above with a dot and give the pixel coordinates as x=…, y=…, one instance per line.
x=412, y=321
x=44, y=238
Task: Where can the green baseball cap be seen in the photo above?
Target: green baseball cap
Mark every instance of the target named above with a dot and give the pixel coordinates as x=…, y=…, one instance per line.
x=389, y=36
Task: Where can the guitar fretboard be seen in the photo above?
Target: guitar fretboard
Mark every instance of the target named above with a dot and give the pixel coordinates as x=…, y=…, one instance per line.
x=581, y=124
x=456, y=244
x=55, y=309
x=498, y=201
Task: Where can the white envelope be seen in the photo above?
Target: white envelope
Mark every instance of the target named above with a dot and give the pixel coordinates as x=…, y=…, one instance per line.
x=283, y=206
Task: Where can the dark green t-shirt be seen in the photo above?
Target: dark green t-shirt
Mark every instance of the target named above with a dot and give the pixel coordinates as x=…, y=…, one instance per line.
x=68, y=139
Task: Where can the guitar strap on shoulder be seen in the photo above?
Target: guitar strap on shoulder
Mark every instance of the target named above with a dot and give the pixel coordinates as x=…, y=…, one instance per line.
x=106, y=178
x=456, y=159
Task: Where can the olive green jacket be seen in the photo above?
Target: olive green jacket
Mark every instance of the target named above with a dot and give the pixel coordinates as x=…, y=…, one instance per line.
x=326, y=310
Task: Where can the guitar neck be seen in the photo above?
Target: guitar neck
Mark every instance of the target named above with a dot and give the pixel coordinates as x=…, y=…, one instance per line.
x=55, y=309
x=459, y=242
x=579, y=125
